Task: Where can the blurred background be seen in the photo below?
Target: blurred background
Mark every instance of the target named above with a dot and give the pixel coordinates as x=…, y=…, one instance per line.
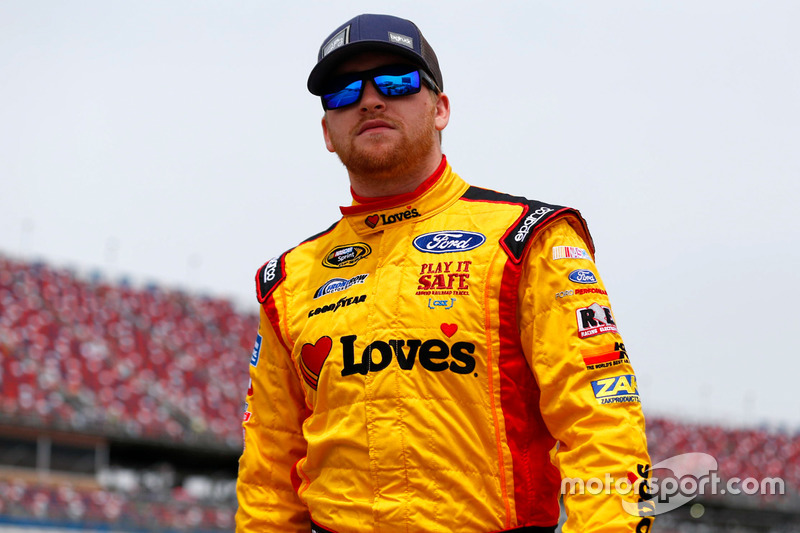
x=154, y=154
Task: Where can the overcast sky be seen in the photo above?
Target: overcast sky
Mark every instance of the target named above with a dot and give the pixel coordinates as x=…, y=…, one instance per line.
x=174, y=142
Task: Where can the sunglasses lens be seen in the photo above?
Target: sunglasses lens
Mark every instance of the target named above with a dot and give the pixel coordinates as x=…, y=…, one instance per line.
x=346, y=96
x=398, y=84
x=395, y=80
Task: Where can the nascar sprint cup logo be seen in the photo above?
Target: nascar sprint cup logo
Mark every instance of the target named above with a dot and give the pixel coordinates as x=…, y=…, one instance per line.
x=347, y=255
x=442, y=242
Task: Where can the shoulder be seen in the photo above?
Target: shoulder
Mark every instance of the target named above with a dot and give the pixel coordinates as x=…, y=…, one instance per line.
x=534, y=218
x=273, y=272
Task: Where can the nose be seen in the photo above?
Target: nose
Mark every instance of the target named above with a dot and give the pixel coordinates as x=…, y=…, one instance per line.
x=372, y=99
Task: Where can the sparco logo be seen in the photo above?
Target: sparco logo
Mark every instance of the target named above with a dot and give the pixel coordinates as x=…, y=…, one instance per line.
x=434, y=355
x=530, y=220
x=442, y=242
x=347, y=255
x=269, y=271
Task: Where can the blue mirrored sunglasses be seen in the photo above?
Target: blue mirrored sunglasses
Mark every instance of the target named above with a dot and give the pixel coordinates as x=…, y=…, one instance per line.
x=392, y=80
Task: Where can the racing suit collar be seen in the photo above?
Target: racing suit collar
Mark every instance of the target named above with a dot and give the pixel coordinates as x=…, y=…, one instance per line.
x=371, y=215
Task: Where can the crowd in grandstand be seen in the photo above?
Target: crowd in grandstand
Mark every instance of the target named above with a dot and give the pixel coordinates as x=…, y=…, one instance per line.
x=106, y=358
x=90, y=356
x=68, y=503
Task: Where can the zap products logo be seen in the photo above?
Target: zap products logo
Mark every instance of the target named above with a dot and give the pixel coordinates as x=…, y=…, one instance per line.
x=443, y=242
x=582, y=276
x=312, y=357
x=594, y=320
x=570, y=252
x=256, y=351
x=346, y=255
x=605, y=356
x=617, y=389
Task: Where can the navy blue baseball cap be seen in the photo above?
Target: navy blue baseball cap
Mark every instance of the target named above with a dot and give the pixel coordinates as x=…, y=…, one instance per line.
x=373, y=33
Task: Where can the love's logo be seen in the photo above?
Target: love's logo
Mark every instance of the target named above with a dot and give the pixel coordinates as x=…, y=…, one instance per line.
x=312, y=357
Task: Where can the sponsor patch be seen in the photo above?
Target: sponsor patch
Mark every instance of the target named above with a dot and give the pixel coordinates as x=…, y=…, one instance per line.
x=333, y=307
x=256, y=351
x=399, y=38
x=432, y=355
x=347, y=255
x=442, y=242
x=617, y=389
x=582, y=275
x=268, y=277
x=570, y=252
x=578, y=292
x=441, y=304
x=339, y=284
x=445, y=278
x=594, y=320
x=338, y=40
x=312, y=357
x=604, y=356
x=374, y=220
x=530, y=221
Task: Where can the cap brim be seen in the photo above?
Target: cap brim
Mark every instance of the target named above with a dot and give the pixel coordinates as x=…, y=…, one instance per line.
x=323, y=70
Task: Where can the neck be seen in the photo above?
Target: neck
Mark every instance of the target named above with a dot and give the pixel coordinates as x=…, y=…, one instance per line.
x=393, y=182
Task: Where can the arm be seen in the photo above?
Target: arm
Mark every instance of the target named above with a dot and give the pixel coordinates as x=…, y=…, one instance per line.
x=273, y=437
x=589, y=397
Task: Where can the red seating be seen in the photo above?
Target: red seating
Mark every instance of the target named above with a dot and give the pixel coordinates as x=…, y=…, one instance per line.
x=154, y=363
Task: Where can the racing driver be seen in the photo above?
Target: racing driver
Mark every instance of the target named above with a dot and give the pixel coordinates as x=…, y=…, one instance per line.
x=442, y=356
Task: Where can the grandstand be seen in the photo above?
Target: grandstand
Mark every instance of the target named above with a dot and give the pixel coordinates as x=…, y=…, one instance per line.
x=120, y=410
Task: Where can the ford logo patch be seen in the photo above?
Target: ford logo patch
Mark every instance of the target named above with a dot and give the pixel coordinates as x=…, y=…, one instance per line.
x=582, y=276
x=442, y=242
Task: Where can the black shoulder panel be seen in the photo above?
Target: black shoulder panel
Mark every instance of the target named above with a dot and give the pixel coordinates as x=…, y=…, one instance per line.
x=535, y=216
x=273, y=271
x=269, y=276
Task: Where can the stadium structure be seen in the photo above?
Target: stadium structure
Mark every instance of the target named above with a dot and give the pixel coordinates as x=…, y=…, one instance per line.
x=120, y=411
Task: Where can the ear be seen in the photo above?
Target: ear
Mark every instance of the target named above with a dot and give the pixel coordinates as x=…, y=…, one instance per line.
x=442, y=117
x=328, y=142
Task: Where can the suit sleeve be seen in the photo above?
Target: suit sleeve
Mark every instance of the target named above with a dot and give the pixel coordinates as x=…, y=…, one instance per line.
x=589, y=396
x=273, y=436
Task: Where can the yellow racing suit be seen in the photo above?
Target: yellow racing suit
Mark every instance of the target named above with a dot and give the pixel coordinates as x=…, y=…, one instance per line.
x=438, y=362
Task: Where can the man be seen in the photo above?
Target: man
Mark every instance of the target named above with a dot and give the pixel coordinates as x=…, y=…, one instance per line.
x=440, y=357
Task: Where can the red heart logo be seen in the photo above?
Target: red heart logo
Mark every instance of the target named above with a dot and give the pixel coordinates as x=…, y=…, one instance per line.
x=312, y=357
x=372, y=221
x=449, y=329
